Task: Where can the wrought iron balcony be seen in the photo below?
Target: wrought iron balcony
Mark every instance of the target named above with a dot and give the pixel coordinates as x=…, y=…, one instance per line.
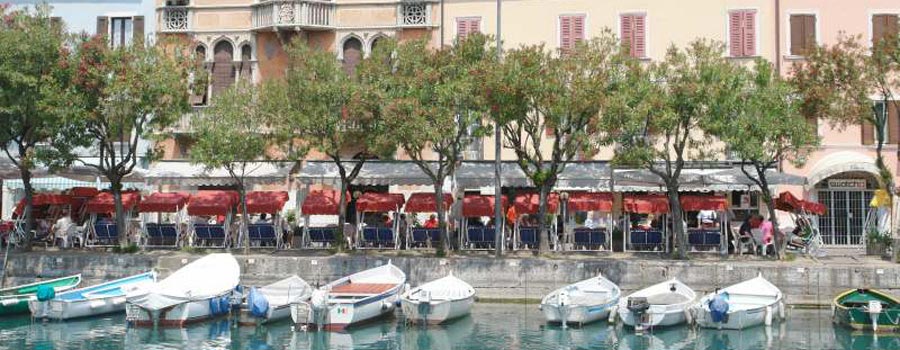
x=308, y=14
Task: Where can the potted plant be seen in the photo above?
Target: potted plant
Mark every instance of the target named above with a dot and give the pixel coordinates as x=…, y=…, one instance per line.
x=877, y=242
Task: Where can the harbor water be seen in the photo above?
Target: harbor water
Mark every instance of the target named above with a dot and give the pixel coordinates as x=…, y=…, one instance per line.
x=491, y=326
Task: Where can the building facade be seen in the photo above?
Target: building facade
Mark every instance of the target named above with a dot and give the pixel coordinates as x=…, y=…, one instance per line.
x=245, y=39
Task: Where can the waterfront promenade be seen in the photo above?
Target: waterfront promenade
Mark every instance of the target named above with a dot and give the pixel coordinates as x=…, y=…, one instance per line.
x=513, y=278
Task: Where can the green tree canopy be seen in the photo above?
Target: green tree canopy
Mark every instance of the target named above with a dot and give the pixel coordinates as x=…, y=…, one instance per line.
x=32, y=72
x=544, y=99
x=662, y=116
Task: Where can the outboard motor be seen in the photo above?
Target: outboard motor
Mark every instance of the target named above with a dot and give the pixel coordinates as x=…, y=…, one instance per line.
x=424, y=304
x=874, y=310
x=639, y=307
x=319, y=307
x=563, y=300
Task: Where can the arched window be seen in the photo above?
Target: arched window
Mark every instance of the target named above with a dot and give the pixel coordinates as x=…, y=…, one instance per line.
x=223, y=67
x=246, y=64
x=352, y=55
x=200, y=92
x=375, y=43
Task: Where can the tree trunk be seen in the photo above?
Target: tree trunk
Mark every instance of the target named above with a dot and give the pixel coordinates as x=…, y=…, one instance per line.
x=245, y=221
x=28, y=211
x=342, y=216
x=543, y=231
x=442, y=216
x=680, y=243
x=116, y=186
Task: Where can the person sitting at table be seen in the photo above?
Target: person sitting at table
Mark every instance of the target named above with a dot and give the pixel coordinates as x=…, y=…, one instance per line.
x=432, y=222
x=768, y=233
x=387, y=220
x=589, y=221
x=745, y=232
x=646, y=223
x=707, y=219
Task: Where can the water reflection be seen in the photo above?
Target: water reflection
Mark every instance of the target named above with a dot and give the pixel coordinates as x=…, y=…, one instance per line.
x=515, y=327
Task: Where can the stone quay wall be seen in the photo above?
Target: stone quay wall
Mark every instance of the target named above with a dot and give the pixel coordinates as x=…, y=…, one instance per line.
x=506, y=279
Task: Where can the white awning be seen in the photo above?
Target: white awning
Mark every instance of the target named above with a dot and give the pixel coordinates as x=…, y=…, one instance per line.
x=722, y=179
x=187, y=174
x=373, y=173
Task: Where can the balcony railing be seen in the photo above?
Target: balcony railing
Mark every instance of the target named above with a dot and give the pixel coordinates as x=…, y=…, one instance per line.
x=175, y=19
x=184, y=124
x=289, y=13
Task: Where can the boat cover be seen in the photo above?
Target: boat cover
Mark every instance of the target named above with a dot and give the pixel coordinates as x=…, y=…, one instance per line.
x=718, y=308
x=448, y=288
x=209, y=276
x=287, y=291
x=257, y=302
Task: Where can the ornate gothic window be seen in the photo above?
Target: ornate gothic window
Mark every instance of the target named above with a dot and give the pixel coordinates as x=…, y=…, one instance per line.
x=175, y=18
x=414, y=13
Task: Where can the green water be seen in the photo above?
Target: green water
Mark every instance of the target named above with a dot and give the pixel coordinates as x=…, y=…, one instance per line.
x=491, y=326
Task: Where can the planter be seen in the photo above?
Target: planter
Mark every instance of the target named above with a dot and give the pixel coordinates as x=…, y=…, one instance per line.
x=875, y=248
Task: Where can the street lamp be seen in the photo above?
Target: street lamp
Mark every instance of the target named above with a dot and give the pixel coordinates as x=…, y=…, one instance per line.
x=498, y=197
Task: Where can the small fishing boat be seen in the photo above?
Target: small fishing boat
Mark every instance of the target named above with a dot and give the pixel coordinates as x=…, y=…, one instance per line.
x=351, y=300
x=273, y=302
x=750, y=303
x=582, y=302
x=14, y=300
x=663, y=304
x=96, y=300
x=438, y=301
x=198, y=291
x=867, y=309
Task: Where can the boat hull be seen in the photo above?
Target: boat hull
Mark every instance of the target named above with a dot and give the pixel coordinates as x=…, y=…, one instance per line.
x=656, y=317
x=274, y=314
x=64, y=310
x=737, y=320
x=178, y=315
x=439, y=312
x=14, y=300
x=860, y=320
x=339, y=316
x=577, y=314
x=15, y=305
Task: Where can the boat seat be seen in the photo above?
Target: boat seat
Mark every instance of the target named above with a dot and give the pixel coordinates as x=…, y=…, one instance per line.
x=361, y=288
x=378, y=237
x=420, y=236
x=589, y=238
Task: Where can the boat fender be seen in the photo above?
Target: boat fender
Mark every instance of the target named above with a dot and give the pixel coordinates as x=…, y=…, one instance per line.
x=385, y=305
x=768, y=315
x=781, y=310
x=612, y=314
x=45, y=293
x=224, y=304
x=257, y=303
x=688, y=317
x=213, y=306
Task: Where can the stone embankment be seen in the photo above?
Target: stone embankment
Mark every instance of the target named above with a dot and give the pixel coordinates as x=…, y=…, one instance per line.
x=507, y=279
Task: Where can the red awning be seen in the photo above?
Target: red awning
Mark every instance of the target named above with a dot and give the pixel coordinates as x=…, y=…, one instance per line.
x=324, y=202
x=83, y=192
x=379, y=202
x=164, y=202
x=646, y=204
x=269, y=202
x=693, y=202
x=105, y=203
x=42, y=199
x=212, y=202
x=787, y=202
x=529, y=203
x=590, y=201
x=426, y=202
x=478, y=205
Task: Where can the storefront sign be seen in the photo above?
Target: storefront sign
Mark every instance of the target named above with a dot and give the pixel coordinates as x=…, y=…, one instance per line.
x=855, y=184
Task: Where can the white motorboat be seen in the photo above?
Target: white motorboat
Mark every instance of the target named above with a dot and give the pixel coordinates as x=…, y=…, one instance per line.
x=750, y=303
x=438, y=301
x=196, y=292
x=581, y=302
x=96, y=300
x=354, y=299
x=273, y=302
x=663, y=304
